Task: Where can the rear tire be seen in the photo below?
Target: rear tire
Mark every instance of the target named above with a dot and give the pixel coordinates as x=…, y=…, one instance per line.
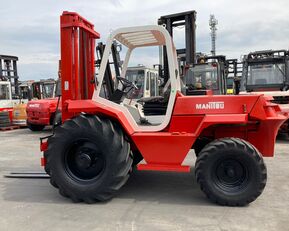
x=231, y=172
x=35, y=127
x=88, y=159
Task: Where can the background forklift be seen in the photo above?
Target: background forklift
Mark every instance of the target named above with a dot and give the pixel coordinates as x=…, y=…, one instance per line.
x=146, y=79
x=208, y=74
x=89, y=157
x=19, y=110
x=186, y=57
x=234, y=76
x=42, y=111
x=31, y=90
x=9, y=88
x=43, y=89
x=267, y=72
x=14, y=94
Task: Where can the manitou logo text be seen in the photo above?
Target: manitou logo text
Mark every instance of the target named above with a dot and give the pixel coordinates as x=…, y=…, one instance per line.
x=34, y=105
x=211, y=105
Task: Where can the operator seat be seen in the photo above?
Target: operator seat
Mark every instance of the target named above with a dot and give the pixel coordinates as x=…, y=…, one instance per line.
x=137, y=115
x=155, y=105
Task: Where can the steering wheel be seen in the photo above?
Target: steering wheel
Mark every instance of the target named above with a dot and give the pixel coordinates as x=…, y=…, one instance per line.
x=126, y=83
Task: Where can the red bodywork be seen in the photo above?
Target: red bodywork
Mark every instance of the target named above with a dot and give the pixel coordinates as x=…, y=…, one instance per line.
x=249, y=117
x=257, y=122
x=77, y=59
x=285, y=126
x=41, y=112
x=270, y=94
x=10, y=111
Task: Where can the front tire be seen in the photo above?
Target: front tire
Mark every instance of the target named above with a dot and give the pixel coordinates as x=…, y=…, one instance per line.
x=88, y=158
x=231, y=172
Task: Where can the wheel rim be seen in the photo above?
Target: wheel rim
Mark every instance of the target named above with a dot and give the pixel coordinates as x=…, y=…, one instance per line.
x=231, y=175
x=84, y=161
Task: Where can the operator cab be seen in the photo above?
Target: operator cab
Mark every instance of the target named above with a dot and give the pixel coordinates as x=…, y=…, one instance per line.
x=5, y=95
x=208, y=75
x=146, y=79
x=43, y=89
x=24, y=92
x=5, y=90
x=266, y=71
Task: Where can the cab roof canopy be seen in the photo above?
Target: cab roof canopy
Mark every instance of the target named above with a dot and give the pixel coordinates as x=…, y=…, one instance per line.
x=143, y=38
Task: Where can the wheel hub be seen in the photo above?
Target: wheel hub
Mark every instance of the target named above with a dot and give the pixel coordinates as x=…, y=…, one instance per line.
x=84, y=160
x=230, y=174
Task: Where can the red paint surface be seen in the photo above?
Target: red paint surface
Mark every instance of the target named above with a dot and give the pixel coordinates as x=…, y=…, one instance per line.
x=165, y=168
x=77, y=59
x=164, y=148
x=42, y=114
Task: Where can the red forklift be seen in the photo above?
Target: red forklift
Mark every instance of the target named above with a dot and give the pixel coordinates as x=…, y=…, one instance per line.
x=41, y=110
x=90, y=156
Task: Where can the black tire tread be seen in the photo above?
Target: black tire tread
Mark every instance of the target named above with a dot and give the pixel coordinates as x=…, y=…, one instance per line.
x=107, y=130
x=35, y=127
x=221, y=143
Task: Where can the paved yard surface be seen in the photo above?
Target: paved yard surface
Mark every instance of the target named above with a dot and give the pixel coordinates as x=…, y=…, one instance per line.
x=149, y=201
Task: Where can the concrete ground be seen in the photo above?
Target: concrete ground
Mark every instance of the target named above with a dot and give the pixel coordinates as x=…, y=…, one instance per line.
x=149, y=200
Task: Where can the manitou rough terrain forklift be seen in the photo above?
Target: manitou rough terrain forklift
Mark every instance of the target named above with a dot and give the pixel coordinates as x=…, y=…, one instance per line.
x=267, y=72
x=90, y=156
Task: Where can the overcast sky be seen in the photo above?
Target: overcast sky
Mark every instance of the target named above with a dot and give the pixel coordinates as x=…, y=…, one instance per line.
x=30, y=29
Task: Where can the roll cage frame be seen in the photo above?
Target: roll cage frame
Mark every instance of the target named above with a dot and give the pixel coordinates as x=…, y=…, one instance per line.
x=133, y=38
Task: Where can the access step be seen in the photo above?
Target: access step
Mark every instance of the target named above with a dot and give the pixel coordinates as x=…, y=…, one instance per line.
x=163, y=168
